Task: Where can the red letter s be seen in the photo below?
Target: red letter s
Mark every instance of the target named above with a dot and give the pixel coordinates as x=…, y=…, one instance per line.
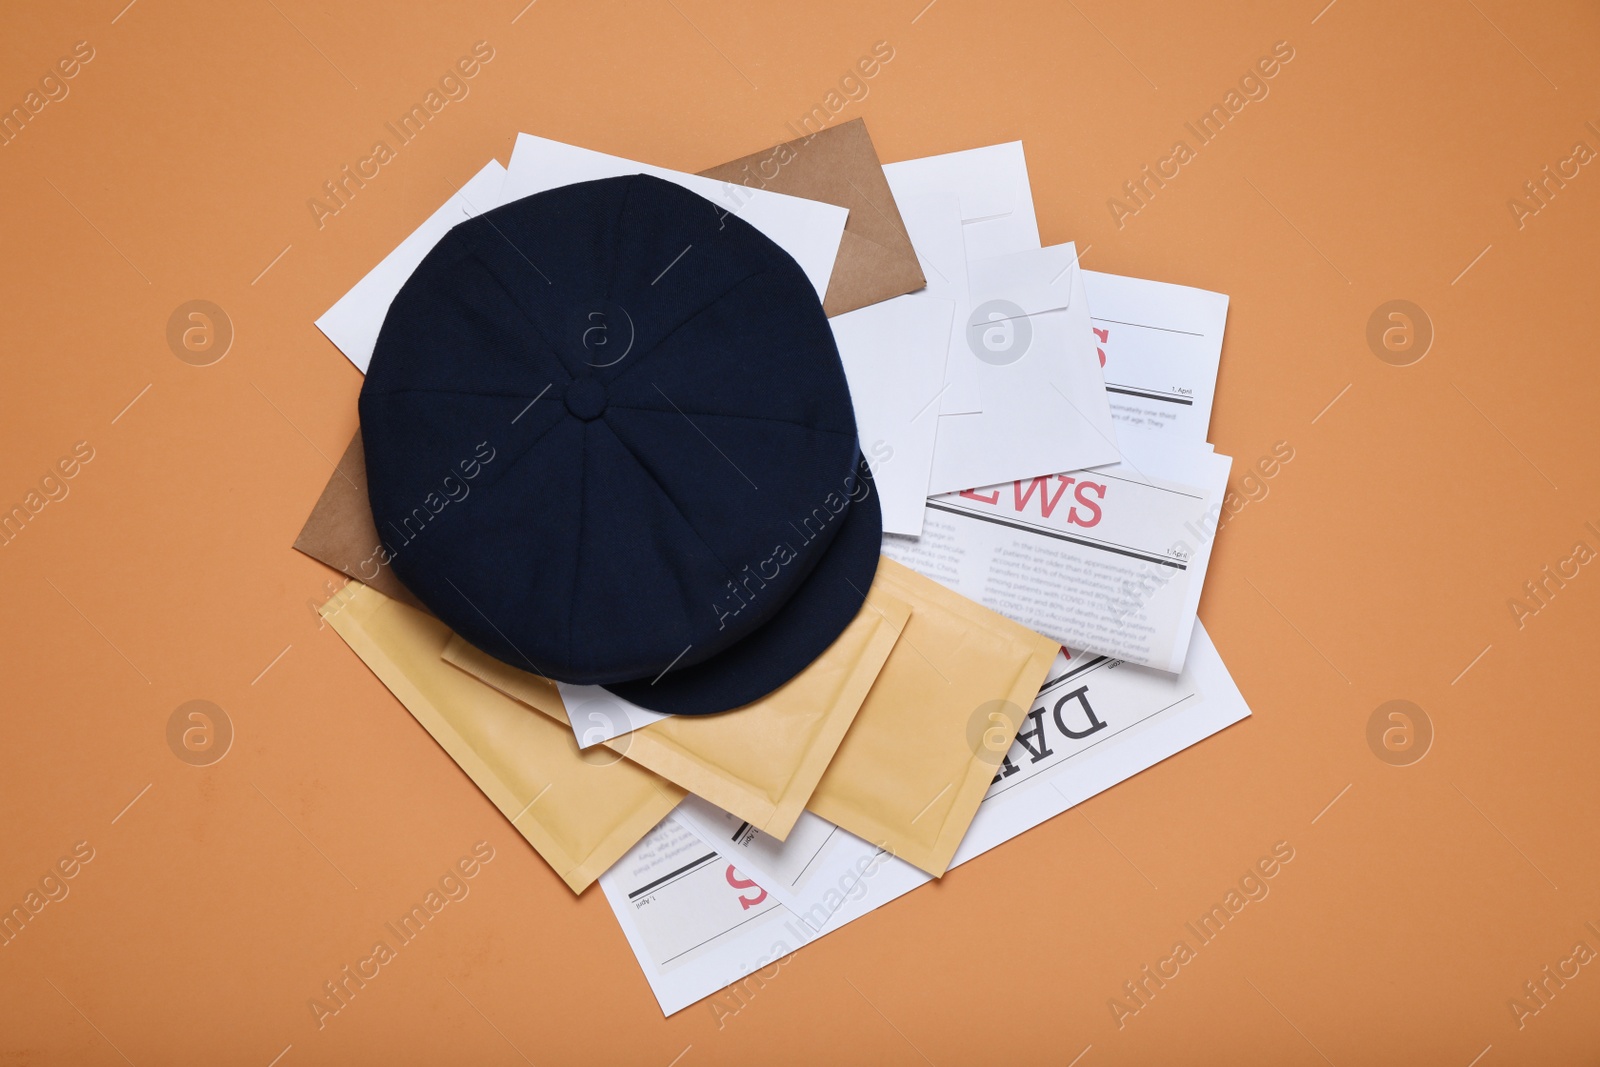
x=1077, y=494
x=744, y=883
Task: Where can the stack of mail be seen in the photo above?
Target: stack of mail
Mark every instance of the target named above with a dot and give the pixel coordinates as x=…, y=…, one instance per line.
x=1037, y=432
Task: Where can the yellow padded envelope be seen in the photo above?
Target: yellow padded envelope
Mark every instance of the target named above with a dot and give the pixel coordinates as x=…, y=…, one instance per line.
x=941, y=715
x=762, y=761
x=581, y=813
x=534, y=690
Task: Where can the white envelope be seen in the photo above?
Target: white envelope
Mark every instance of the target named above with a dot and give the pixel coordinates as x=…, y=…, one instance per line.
x=353, y=323
x=596, y=714
x=808, y=230
x=992, y=183
x=894, y=354
x=933, y=222
x=1044, y=399
x=995, y=203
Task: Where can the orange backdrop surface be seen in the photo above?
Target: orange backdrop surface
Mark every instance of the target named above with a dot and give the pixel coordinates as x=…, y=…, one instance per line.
x=177, y=164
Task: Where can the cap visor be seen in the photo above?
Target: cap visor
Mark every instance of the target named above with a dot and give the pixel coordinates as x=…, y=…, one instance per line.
x=787, y=644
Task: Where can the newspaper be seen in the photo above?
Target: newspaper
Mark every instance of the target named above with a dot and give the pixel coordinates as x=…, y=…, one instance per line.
x=705, y=901
x=1111, y=559
x=1159, y=346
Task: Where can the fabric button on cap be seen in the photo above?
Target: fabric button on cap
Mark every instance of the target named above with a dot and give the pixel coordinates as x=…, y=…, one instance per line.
x=609, y=440
x=586, y=398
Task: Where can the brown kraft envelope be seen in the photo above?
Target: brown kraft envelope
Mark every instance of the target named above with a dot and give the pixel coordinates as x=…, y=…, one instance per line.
x=838, y=165
x=580, y=811
x=340, y=531
x=759, y=762
x=924, y=747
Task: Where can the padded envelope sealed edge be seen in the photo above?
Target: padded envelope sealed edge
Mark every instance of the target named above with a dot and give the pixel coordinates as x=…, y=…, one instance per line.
x=958, y=672
x=588, y=814
x=760, y=762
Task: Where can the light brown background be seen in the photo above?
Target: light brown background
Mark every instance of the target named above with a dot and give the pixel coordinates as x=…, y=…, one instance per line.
x=1378, y=567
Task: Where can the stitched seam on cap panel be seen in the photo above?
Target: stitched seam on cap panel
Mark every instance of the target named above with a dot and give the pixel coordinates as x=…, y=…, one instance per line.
x=616, y=237
x=726, y=571
x=583, y=502
x=747, y=418
x=442, y=520
x=622, y=689
x=518, y=458
x=855, y=461
x=855, y=457
x=554, y=352
x=653, y=349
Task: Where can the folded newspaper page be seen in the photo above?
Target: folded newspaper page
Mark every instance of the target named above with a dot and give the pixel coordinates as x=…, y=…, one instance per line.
x=1159, y=347
x=1111, y=560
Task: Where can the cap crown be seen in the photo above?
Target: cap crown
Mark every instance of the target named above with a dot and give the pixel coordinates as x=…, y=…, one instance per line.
x=591, y=410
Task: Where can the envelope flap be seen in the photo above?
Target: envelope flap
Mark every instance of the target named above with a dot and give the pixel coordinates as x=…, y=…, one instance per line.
x=839, y=166
x=341, y=533
x=866, y=268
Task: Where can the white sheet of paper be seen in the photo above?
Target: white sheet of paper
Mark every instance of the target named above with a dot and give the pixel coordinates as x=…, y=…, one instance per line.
x=994, y=203
x=597, y=714
x=808, y=230
x=1161, y=346
x=893, y=354
x=992, y=184
x=1144, y=717
x=1045, y=406
x=1111, y=560
x=354, y=321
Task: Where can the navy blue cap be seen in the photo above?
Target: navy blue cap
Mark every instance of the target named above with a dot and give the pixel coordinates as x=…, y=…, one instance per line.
x=609, y=440
x=782, y=648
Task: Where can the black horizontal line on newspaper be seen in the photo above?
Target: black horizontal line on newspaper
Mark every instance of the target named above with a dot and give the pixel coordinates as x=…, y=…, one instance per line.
x=1074, y=672
x=1098, y=473
x=723, y=933
x=1146, y=395
x=1174, y=564
x=665, y=878
x=813, y=859
x=1146, y=326
x=1012, y=783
